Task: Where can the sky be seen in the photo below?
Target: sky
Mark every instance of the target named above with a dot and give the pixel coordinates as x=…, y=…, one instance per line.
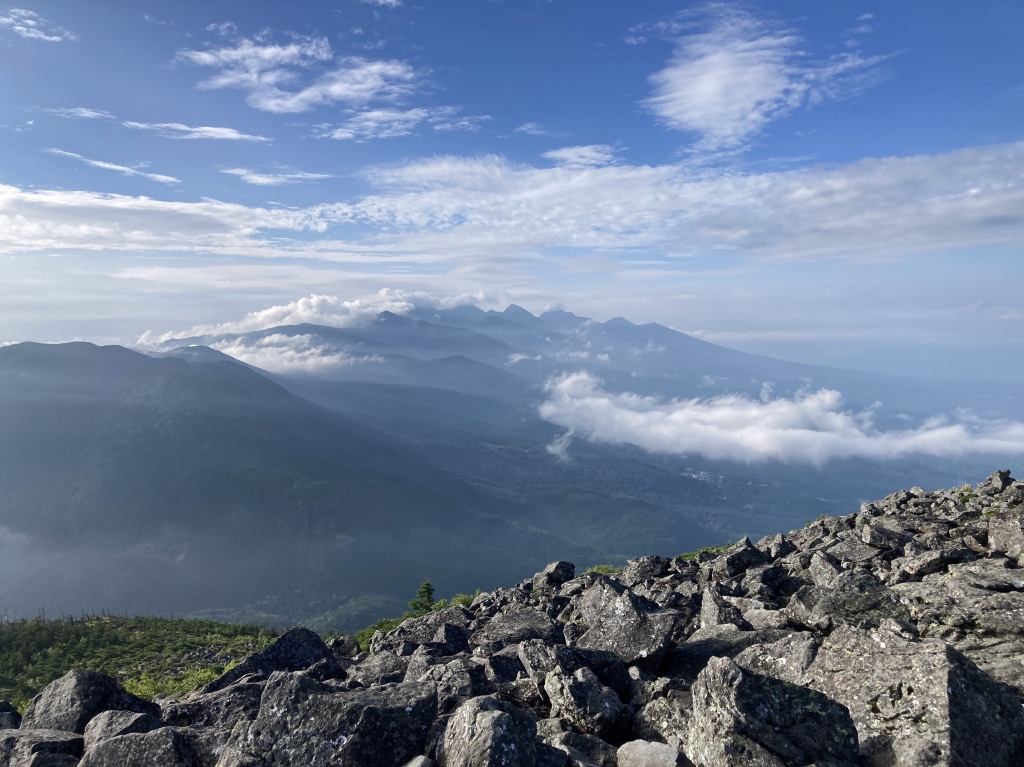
x=839, y=183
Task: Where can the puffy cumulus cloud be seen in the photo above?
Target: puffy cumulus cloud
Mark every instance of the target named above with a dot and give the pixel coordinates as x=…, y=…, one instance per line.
x=320, y=310
x=810, y=428
x=728, y=82
x=279, y=353
x=591, y=156
x=32, y=26
x=265, y=70
x=390, y=123
x=180, y=131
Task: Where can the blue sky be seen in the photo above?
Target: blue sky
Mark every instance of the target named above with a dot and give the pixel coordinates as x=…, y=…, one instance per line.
x=829, y=182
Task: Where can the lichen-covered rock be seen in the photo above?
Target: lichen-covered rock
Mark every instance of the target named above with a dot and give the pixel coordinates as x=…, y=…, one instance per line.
x=223, y=708
x=515, y=626
x=165, y=747
x=715, y=611
x=918, y=702
x=306, y=723
x=615, y=619
x=665, y=719
x=787, y=659
x=581, y=699
x=485, y=732
x=645, y=753
x=425, y=629
x=744, y=719
x=554, y=575
x=856, y=598
x=585, y=749
x=52, y=760
x=17, y=747
x=295, y=650
x=70, y=702
x=110, y=724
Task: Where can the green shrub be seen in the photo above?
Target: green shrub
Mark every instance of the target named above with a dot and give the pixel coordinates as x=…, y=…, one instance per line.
x=716, y=550
x=604, y=570
x=421, y=605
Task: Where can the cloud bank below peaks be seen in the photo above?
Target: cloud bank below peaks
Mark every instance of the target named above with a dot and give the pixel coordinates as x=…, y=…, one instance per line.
x=811, y=428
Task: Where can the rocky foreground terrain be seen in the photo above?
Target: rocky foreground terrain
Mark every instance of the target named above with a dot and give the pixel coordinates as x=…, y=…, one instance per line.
x=893, y=637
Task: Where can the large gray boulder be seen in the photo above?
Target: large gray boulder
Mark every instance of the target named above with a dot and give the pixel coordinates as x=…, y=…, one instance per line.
x=295, y=650
x=110, y=724
x=223, y=708
x=429, y=628
x=918, y=702
x=517, y=625
x=165, y=747
x=18, y=747
x=611, y=617
x=646, y=753
x=70, y=702
x=554, y=575
x=581, y=699
x=306, y=723
x=742, y=719
x=485, y=732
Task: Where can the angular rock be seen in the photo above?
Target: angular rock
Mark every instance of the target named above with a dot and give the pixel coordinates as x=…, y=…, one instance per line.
x=10, y=719
x=665, y=719
x=52, y=760
x=554, y=575
x=582, y=700
x=645, y=753
x=70, y=702
x=858, y=598
x=17, y=747
x=224, y=708
x=743, y=718
x=422, y=630
x=918, y=702
x=344, y=646
x=585, y=749
x=485, y=732
x=824, y=570
x=715, y=611
x=166, y=747
x=305, y=723
x=787, y=659
x=1006, y=532
x=110, y=724
x=686, y=660
x=517, y=625
x=644, y=569
x=380, y=668
x=738, y=558
x=295, y=650
x=618, y=621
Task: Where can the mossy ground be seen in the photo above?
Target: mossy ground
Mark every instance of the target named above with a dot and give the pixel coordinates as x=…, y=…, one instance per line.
x=147, y=655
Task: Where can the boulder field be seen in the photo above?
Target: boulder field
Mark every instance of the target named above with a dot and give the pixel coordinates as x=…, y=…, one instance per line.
x=892, y=637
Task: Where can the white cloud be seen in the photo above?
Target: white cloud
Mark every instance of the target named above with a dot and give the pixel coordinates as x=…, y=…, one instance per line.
x=274, y=179
x=385, y=3
x=263, y=69
x=390, y=123
x=534, y=129
x=810, y=428
x=222, y=29
x=32, y=26
x=279, y=353
x=81, y=113
x=124, y=170
x=729, y=82
x=486, y=212
x=315, y=309
x=592, y=156
x=179, y=131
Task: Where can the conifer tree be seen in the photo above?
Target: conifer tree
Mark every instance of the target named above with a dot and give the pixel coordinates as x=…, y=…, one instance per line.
x=424, y=600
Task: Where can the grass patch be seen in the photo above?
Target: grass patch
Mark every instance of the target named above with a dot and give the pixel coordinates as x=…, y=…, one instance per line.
x=421, y=604
x=716, y=550
x=147, y=655
x=604, y=570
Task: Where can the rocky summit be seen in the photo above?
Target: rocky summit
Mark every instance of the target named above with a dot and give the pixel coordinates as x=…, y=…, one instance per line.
x=892, y=637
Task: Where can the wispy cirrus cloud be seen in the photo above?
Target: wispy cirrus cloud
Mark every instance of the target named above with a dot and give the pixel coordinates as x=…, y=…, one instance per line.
x=32, y=26
x=180, y=131
x=288, y=176
x=124, y=170
x=591, y=156
x=727, y=83
x=811, y=428
x=272, y=75
x=384, y=3
x=391, y=123
x=81, y=113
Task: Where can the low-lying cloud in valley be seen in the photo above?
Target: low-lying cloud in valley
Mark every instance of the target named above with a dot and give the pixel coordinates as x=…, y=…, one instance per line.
x=812, y=427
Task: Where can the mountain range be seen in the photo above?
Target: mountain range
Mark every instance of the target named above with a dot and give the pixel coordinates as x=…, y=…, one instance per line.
x=315, y=474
